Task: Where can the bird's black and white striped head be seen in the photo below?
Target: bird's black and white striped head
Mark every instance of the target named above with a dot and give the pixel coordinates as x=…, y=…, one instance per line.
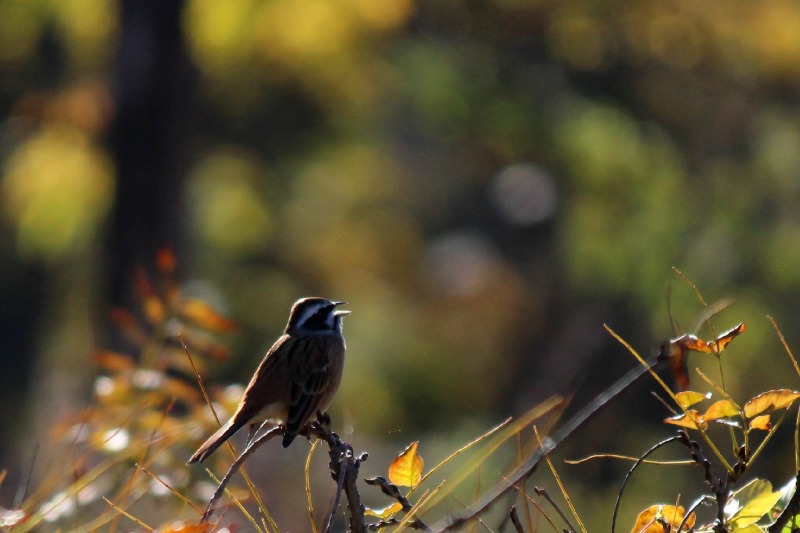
x=316, y=315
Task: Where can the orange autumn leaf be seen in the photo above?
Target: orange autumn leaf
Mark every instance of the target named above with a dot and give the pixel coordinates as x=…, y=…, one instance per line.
x=184, y=527
x=154, y=310
x=166, y=260
x=652, y=519
x=721, y=409
x=675, y=350
x=691, y=342
x=770, y=401
x=114, y=362
x=761, y=422
x=725, y=338
x=202, y=314
x=180, y=389
x=689, y=420
x=719, y=344
x=406, y=469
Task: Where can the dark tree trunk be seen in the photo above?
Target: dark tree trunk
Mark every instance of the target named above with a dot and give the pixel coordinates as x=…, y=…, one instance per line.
x=153, y=98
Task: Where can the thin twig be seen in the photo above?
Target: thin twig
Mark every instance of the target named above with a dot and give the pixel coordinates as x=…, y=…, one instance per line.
x=639, y=462
x=393, y=491
x=515, y=519
x=235, y=466
x=543, y=492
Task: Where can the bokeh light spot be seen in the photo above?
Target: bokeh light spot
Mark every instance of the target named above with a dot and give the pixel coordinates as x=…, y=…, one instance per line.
x=525, y=194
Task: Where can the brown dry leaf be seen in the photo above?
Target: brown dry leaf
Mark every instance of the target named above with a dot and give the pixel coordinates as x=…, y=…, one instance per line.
x=687, y=399
x=678, y=362
x=687, y=420
x=406, y=469
x=200, y=313
x=761, y=422
x=721, y=409
x=650, y=520
x=770, y=401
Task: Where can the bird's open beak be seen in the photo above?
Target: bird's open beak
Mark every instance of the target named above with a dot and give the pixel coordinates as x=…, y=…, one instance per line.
x=341, y=312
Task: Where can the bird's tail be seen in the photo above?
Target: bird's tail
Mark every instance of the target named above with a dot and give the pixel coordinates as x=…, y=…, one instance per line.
x=215, y=441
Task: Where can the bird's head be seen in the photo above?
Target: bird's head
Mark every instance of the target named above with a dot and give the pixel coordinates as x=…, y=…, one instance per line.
x=316, y=315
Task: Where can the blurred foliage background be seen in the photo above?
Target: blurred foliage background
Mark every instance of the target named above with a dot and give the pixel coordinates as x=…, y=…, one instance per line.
x=486, y=182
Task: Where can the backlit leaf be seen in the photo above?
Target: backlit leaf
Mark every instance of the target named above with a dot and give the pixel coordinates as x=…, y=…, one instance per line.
x=770, y=401
x=761, y=422
x=406, y=469
x=752, y=528
x=650, y=520
x=689, y=420
x=385, y=513
x=721, y=409
x=716, y=346
x=756, y=499
x=691, y=342
x=687, y=399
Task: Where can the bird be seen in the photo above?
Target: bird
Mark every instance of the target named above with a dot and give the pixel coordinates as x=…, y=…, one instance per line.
x=297, y=378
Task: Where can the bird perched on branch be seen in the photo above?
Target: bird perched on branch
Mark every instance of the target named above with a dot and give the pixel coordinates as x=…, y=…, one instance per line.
x=298, y=377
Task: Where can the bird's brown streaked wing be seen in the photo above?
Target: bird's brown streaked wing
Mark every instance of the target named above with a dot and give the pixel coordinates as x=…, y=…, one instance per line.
x=311, y=376
x=271, y=382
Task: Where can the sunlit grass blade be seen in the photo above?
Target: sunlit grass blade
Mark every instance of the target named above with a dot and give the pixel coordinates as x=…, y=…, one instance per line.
x=561, y=486
x=308, y=485
x=128, y=515
x=500, y=437
x=459, y=451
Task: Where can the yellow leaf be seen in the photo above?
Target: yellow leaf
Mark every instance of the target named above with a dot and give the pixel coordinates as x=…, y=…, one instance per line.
x=761, y=422
x=406, y=469
x=752, y=528
x=688, y=398
x=154, y=309
x=770, y=401
x=385, y=513
x=756, y=500
x=690, y=420
x=650, y=520
x=721, y=409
